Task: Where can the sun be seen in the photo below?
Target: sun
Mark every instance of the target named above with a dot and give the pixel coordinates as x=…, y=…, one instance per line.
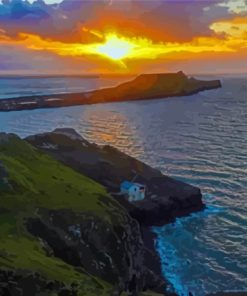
x=115, y=48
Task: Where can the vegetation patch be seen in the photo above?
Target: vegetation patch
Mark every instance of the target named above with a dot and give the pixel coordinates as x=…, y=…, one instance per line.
x=38, y=181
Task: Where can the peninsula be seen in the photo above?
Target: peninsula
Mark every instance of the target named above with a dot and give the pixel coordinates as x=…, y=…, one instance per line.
x=143, y=87
x=63, y=229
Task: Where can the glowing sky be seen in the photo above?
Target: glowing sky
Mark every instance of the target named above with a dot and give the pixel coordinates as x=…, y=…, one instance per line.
x=123, y=36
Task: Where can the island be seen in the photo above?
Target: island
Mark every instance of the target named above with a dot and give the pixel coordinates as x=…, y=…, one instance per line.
x=143, y=87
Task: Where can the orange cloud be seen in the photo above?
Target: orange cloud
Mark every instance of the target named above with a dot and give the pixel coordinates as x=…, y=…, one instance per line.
x=113, y=44
x=229, y=36
x=235, y=28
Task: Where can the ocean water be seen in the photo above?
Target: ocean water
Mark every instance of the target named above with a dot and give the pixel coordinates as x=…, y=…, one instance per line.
x=200, y=139
x=12, y=87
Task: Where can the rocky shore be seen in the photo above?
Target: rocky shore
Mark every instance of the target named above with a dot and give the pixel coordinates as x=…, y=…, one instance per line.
x=63, y=233
x=166, y=198
x=143, y=87
x=65, y=229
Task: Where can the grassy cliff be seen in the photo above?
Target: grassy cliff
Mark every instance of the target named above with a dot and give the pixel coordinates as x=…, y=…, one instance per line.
x=39, y=184
x=39, y=181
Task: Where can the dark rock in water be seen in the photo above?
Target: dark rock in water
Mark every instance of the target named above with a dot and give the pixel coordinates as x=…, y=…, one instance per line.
x=166, y=198
x=143, y=87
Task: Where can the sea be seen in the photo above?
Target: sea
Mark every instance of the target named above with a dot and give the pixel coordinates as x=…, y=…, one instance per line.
x=199, y=139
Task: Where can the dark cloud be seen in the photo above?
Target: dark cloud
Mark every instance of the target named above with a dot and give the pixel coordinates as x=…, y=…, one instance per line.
x=59, y=22
x=159, y=20
x=181, y=20
x=20, y=10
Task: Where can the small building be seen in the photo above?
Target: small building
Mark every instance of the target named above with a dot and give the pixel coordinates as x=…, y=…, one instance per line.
x=134, y=191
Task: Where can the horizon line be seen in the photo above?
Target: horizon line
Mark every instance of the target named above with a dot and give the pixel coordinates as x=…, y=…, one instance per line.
x=96, y=75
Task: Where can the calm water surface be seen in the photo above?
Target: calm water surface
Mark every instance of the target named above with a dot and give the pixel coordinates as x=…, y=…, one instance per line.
x=200, y=139
x=12, y=87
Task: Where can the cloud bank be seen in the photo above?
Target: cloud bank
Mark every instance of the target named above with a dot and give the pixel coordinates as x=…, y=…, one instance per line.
x=41, y=33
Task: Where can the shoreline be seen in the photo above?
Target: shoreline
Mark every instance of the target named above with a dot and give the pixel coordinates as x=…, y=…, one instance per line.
x=186, y=198
x=63, y=143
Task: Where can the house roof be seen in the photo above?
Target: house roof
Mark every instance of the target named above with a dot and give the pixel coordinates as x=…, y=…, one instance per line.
x=127, y=185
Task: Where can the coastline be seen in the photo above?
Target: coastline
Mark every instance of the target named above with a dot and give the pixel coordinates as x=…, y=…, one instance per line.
x=63, y=145
x=159, y=211
x=133, y=267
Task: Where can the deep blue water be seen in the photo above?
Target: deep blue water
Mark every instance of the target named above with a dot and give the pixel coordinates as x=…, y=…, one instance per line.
x=202, y=140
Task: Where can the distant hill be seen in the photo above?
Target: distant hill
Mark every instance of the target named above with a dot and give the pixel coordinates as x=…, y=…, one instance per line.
x=143, y=87
x=154, y=86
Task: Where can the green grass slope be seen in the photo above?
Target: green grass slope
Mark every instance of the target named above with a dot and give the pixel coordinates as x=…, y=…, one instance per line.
x=38, y=181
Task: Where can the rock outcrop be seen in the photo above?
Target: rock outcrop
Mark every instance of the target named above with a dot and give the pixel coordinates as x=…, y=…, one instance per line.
x=143, y=87
x=18, y=283
x=66, y=227
x=166, y=198
x=111, y=251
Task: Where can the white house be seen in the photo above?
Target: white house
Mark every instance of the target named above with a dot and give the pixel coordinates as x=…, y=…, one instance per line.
x=135, y=191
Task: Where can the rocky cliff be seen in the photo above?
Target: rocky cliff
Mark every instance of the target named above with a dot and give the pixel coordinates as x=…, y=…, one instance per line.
x=62, y=233
x=143, y=87
x=166, y=197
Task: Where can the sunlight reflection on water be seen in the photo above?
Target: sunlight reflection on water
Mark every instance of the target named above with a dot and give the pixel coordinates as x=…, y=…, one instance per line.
x=200, y=140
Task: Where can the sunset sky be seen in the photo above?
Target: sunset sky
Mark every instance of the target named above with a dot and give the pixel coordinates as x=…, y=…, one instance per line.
x=122, y=36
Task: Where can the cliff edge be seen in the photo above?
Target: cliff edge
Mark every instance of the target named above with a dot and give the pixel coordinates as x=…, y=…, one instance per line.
x=166, y=198
x=62, y=234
